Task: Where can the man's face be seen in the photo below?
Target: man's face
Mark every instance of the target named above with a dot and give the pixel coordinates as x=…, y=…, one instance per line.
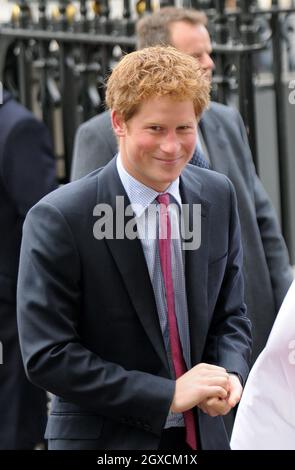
x=158, y=141
x=195, y=41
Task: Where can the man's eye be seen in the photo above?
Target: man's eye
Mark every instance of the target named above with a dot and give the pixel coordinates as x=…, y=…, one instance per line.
x=185, y=128
x=156, y=128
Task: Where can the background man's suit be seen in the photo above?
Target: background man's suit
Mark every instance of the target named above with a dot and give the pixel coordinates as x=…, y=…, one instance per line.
x=89, y=327
x=27, y=172
x=267, y=272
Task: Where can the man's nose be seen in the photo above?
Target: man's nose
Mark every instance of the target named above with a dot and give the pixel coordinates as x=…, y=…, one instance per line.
x=207, y=62
x=170, y=143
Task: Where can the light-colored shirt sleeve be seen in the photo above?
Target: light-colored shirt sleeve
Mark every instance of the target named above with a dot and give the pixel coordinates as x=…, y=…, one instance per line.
x=266, y=415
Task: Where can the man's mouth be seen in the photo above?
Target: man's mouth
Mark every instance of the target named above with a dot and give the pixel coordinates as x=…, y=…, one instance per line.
x=168, y=161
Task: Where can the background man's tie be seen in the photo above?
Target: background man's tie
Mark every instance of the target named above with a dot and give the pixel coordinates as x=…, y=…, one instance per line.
x=175, y=345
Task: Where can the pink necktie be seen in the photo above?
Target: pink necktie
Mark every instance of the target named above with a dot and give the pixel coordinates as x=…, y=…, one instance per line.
x=175, y=345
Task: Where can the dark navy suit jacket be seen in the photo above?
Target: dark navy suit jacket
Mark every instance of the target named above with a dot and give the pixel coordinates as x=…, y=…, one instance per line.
x=27, y=173
x=88, y=322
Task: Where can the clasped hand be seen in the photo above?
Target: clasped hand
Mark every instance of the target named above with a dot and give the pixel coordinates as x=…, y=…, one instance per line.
x=211, y=388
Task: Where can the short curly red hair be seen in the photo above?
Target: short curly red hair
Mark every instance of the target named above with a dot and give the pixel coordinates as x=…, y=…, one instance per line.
x=156, y=71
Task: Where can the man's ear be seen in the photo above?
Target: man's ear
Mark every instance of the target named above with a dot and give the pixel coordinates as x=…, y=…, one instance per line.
x=118, y=123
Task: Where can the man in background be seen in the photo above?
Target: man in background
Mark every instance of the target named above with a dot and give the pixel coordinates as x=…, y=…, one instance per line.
x=27, y=172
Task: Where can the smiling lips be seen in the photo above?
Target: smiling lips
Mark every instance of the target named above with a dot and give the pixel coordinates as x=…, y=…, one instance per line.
x=168, y=161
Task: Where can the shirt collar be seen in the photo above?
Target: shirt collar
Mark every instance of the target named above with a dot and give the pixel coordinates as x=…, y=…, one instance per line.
x=142, y=196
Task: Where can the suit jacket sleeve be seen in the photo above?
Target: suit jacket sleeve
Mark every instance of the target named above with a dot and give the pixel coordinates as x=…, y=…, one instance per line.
x=229, y=337
x=274, y=246
x=48, y=318
x=28, y=164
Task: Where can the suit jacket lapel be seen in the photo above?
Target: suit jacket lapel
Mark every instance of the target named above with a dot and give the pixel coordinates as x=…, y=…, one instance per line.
x=196, y=269
x=215, y=142
x=129, y=258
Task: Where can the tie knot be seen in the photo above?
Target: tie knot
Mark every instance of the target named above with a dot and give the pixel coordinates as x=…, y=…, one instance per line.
x=163, y=199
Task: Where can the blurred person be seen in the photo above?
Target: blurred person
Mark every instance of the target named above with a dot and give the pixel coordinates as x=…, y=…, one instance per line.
x=266, y=415
x=143, y=341
x=27, y=173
